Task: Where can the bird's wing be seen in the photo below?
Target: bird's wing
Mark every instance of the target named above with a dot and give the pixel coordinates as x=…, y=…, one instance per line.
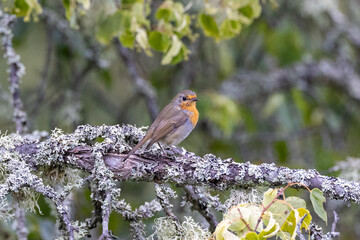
x=165, y=127
x=167, y=120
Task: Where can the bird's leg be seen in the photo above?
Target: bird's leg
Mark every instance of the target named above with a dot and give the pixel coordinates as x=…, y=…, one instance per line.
x=163, y=151
x=178, y=151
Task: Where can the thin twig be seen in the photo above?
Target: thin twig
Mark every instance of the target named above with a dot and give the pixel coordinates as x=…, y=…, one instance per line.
x=106, y=210
x=242, y=219
x=200, y=203
x=16, y=70
x=267, y=207
x=298, y=227
x=21, y=229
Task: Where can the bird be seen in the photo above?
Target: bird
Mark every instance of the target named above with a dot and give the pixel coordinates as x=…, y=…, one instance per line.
x=174, y=123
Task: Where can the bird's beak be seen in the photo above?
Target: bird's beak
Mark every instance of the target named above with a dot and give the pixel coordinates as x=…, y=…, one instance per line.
x=194, y=99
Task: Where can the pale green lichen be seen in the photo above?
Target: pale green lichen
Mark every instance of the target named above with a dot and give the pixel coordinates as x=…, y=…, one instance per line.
x=80, y=233
x=250, y=195
x=349, y=169
x=6, y=212
x=168, y=229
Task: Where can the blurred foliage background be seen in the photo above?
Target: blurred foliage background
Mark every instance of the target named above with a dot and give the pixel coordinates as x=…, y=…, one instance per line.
x=284, y=89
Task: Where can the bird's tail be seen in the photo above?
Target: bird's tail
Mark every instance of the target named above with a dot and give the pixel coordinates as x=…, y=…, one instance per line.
x=136, y=147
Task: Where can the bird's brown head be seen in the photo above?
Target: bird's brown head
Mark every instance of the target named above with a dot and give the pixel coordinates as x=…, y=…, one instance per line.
x=186, y=99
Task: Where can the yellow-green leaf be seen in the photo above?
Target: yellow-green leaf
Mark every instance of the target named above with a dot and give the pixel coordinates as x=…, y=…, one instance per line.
x=250, y=236
x=317, y=199
x=26, y=9
x=269, y=196
x=272, y=227
x=222, y=233
x=294, y=217
x=209, y=26
x=280, y=212
x=109, y=27
x=127, y=39
x=142, y=40
x=85, y=3
x=159, y=41
x=229, y=28
x=173, y=51
x=296, y=202
x=273, y=104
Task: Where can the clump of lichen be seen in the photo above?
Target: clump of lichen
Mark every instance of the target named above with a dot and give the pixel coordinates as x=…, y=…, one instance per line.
x=349, y=169
x=239, y=196
x=166, y=228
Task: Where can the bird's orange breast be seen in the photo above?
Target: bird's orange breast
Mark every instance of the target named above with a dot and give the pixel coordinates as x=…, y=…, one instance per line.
x=193, y=112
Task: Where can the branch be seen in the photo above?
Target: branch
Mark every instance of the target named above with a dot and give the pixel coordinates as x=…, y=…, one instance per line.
x=201, y=203
x=298, y=227
x=316, y=232
x=106, y=209
x=152, y=167
x=141, y=85
x=244, y=85
x=16, y=70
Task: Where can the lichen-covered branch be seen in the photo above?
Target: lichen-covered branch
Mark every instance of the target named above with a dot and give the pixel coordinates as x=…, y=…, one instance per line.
x=201, y=203
x=103, y=160
x=106, y=210
x=16, y=70
x=211, y=171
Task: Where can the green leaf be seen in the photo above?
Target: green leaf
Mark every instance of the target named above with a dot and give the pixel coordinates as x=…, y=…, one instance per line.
x=109, y=27
x=238, y=216
x=294, y=217
x=229, y=114
x=269, y=196
x=281, y=150
x=273, y=104
x=286, y=44
x=229, y=28
x=183, y=55
x=142, y=40
x=159, y=41
x=127, y=39
x=163, y=14
x=105, y=77
x=247, y=11
x=272, y=227
x=296, y=202
x=222, y=233
x=317, y=199
x=250, y=236
x=173, y=51
x=69, y=9
x=85, y=3
x=241, y=214
x=209, y=25
x=280, y=211
x=26, y=9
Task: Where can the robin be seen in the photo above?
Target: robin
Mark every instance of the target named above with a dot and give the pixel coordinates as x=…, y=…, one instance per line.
x=174, y=123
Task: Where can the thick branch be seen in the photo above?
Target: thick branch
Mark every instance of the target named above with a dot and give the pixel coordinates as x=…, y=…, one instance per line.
x=208, y=170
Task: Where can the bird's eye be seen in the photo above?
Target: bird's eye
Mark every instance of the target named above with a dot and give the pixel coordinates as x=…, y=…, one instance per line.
x=184, y=98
